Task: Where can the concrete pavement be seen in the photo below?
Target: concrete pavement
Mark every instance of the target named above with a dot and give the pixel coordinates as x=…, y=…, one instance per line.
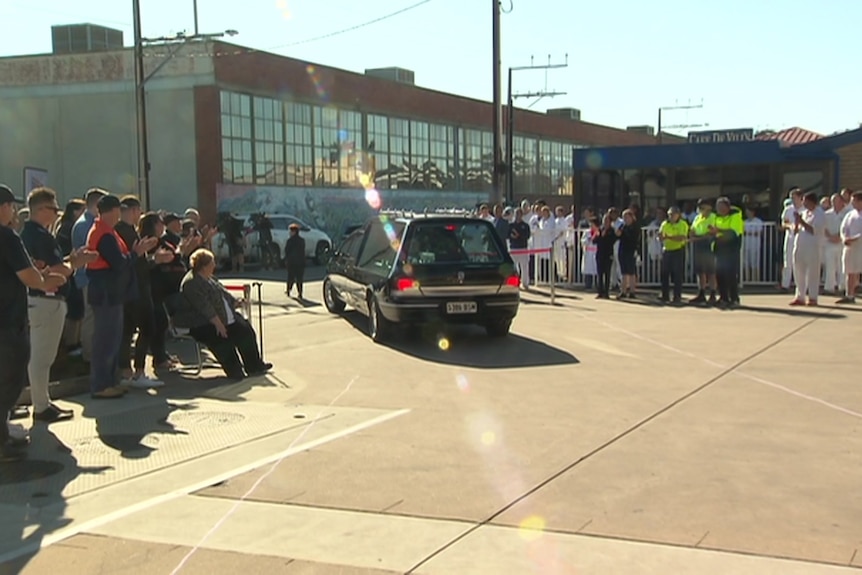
x=602, y=437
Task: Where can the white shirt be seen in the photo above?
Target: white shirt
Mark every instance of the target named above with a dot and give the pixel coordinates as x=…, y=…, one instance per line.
x=816, y=218
x=788, y=216
x=851, y=227
x=753, y=233
x=833, y=221
x=545, y=233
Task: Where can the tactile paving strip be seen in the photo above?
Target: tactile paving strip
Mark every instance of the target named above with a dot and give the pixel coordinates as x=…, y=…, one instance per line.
x=89, y=453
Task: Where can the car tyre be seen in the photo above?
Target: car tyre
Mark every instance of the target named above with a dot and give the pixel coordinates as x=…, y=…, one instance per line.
x=498, y=328
x=330, y=298
x=378, y=326
x=320, y=252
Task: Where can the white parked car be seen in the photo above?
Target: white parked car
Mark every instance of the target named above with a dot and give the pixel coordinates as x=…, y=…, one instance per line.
x=317, y=242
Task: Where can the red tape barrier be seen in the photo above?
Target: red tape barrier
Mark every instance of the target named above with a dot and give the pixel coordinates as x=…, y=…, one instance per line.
x=529, y=252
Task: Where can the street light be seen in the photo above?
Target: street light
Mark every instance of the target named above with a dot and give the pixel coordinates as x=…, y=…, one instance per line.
x=140, y=87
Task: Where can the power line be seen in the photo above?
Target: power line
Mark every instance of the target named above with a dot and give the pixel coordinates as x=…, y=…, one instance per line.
x=352, y=28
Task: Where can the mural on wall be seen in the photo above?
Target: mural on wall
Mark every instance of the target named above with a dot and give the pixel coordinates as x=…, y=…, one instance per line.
x=334, y=209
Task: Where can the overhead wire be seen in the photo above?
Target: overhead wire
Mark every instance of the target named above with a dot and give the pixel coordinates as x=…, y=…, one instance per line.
x=240, y=51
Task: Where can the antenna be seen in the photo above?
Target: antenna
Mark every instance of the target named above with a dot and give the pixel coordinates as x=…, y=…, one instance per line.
x=675, y=107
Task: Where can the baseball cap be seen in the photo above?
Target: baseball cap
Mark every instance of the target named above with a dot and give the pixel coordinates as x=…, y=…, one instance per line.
x=108, y=203
x=7, y=196
x=127, y=202
x=170, y=218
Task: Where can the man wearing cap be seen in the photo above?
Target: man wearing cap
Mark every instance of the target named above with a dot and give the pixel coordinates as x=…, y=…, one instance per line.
x=47, y=309
x=673, y=234
x=79, y=240
x=17, y=273
x=112, y=284
x=294, y=259
x=727, y=231
x=704, y=258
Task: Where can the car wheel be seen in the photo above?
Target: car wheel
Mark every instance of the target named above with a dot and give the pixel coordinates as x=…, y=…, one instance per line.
x=330, y=298
x=320, y=252
x=378, y=326
x=498, y=328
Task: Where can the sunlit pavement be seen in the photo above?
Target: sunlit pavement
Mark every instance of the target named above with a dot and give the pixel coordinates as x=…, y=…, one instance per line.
x=601, y=437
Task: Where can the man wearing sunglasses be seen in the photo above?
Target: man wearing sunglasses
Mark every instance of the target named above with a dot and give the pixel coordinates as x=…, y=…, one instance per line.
x=47, y=308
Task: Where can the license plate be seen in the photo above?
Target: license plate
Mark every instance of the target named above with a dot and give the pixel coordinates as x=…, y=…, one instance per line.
x=457, y=307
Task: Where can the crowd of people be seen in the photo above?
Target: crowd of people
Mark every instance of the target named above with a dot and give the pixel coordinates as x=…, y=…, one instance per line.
x=108, y=281
x=820, y=246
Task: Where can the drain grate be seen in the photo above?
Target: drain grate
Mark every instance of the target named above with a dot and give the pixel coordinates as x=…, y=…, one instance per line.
x=28, y=470
x=205, y=418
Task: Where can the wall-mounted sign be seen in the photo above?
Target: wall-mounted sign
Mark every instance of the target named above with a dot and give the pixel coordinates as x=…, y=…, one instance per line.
x=34, y=178
x=721, y=136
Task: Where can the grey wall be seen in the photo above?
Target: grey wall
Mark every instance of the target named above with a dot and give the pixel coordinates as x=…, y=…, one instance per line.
x=88, y=138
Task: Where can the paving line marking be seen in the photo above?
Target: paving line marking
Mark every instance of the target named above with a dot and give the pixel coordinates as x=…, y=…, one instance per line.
x=85, y=526
x=256, y=484
x=726, y=370
x=766, y=382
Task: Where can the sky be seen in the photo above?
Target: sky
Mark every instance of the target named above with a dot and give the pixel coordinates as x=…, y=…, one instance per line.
x=761, y=64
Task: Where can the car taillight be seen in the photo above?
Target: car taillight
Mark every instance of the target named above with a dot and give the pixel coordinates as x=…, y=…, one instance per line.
x=402, y=284
x=513, y=281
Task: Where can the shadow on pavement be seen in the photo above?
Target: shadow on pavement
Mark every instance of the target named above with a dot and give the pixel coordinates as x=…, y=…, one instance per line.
x=469, y=346
x=31, y=493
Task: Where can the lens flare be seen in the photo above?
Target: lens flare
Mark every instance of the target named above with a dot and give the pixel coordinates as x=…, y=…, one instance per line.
x=489, y=438
x=316, y=79
x=531, y=528
x=282, y=7
x=443, y=344
x=372, y=197
x=462, y=382
x=594, y=160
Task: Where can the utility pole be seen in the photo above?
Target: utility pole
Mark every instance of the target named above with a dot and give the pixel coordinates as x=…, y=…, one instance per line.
x=510, y=113
x=688, y=106
x=496, y=192
x=195, y=6
x=141, y=109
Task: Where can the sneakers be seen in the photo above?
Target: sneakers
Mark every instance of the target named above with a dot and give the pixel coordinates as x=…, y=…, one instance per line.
x=846, y=300
x=53, y=414
x=17, y=431
x=142, y=382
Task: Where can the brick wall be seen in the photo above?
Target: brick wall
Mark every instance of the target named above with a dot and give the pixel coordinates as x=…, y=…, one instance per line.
x=851, y=166
x=208, y=144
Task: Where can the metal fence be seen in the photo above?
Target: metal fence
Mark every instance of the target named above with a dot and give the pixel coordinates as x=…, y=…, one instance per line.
x=760, y=262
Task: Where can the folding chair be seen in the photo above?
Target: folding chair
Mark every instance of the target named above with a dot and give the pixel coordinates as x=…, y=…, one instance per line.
x=182, y=334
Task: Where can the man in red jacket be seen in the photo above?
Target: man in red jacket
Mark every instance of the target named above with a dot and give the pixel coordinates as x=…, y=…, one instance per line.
x=112, y=284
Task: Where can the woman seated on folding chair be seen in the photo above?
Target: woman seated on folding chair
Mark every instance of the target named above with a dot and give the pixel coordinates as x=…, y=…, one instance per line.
x=209, y=313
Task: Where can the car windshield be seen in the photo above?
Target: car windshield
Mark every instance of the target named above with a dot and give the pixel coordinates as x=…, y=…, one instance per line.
x=448, y=242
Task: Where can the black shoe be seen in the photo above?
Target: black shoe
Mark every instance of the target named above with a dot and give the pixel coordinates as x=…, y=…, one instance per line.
x=20, y=412
x=260, y=370
x=698, y=300
x=53, y=414
x=9, y=453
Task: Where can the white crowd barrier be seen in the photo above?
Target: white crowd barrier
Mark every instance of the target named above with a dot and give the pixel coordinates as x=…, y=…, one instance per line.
x=761, y=259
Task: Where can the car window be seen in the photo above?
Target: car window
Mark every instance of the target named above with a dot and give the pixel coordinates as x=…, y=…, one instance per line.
x=447, y=242
x=279, y=223
x=381, y=246
x=350, y=246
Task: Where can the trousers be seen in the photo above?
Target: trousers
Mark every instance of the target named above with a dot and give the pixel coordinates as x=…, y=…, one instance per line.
x=295, y=276
x=137, y=316
x=240, y=338
x=833, y=267
x=87, y=327
x=47, y=316
x=14, y=358
x=787, y=272
x=727, y=273
x=107, y=338
x=672, y=268
x=806, y=266
x=522, y=261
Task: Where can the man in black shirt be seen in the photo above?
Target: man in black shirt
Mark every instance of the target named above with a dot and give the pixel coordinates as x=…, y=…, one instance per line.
x=518, y=236
x=17, y=273
x=47, y=311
